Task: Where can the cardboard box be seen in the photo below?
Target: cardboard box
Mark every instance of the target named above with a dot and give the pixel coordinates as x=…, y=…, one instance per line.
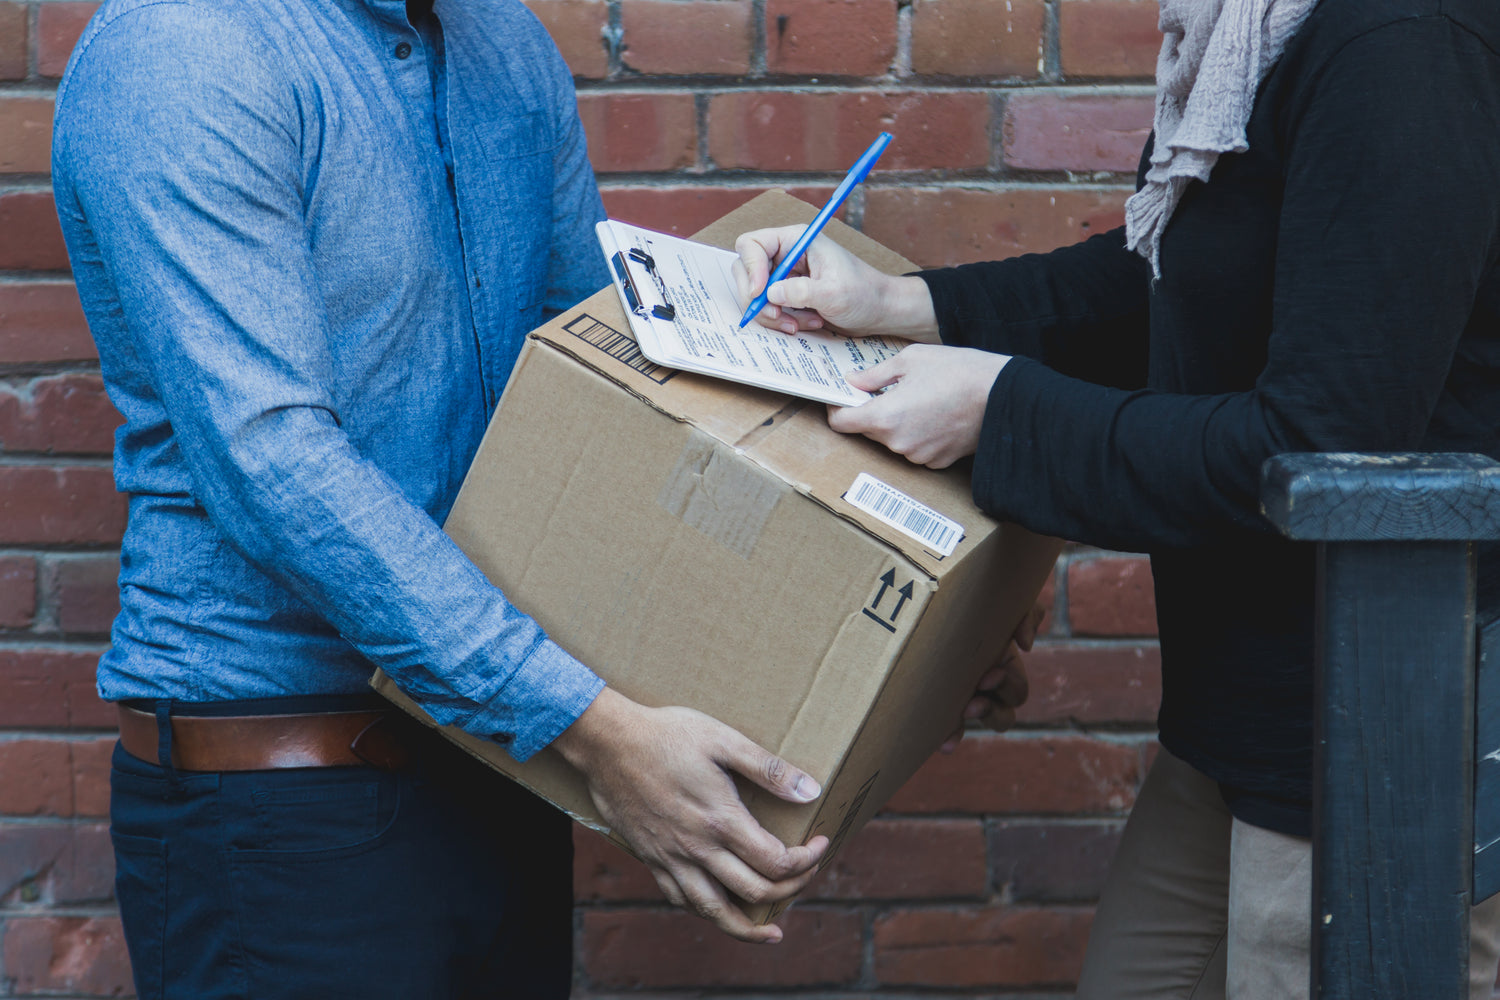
x=690, y=540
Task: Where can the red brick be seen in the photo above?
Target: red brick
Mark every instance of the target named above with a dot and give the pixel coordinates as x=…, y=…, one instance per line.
x=941, y=226
x=908, y=859
x=642, y=132
x=90, y=761
x=685, y=210
x=782, y=130
x=977, y=37
x=30, y=237
x=12, y=41
x=577, y=28
x=85, y=593
x=1042, y=861
x=1006, y=947
x=1024, y=774
x=59, y=505
x=42, y=321
x=36, y=778
x=17, y=591
x=635, y=949
x=29, y=853
x=1109, y=38
x=1112, y=595
x=830, y=37
x=1059, y=132
x=1089, y=685
x=58, y=28
x=66, y=955
x=683, y=37
x=58, y=414
x=58, y=862
x=1046, y=598
x=86, y=873
x=51, y=688
x=25, y=135
x=602, y=871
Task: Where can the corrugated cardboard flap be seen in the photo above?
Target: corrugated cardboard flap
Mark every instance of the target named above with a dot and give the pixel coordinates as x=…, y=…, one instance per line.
x=789, y=437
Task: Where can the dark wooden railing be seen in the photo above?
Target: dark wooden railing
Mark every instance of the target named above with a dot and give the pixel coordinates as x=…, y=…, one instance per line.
x=1399, y=850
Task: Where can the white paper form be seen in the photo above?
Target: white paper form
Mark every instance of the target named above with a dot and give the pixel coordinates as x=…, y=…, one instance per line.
x=699, y=330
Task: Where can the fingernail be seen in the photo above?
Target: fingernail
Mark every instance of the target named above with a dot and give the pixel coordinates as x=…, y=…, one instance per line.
x=806, y=789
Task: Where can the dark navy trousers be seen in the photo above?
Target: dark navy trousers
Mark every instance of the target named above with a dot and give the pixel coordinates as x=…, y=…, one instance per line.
x=440, y=880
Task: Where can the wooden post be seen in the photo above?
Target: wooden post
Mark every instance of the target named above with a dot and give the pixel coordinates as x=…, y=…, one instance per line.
x=1393, y=810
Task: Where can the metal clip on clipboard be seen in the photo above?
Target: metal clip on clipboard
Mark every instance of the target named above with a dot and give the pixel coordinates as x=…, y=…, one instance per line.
x=633, y=296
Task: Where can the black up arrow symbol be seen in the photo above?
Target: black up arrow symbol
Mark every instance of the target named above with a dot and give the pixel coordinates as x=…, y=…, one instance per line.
x=886, y=582
x=903, y=594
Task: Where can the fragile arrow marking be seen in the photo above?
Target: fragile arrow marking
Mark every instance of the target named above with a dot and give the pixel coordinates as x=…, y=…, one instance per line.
x=905, y=593
x=886, y=582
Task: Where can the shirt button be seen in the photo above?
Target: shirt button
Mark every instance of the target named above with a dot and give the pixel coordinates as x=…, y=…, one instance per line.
x=403, y=50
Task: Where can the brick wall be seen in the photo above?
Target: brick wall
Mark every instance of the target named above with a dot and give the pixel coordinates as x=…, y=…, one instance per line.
x=1017, y=126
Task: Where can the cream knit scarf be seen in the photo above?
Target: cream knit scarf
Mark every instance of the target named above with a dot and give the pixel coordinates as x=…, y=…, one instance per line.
x=1214, y=56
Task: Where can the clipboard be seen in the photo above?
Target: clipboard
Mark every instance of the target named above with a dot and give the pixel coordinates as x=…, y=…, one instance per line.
x=680, y=298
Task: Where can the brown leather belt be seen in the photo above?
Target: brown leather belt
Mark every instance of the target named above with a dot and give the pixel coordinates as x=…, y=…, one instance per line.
x=264, y=742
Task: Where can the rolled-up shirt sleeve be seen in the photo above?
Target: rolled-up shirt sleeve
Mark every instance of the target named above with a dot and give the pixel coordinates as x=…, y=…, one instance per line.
x=186, y=176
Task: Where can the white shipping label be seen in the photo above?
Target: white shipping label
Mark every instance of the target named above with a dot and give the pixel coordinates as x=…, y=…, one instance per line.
x=906, y=515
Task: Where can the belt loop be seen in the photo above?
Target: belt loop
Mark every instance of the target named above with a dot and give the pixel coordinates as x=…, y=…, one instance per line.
x=164, y=735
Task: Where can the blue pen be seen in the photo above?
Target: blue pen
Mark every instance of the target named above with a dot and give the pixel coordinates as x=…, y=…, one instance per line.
x=856, y=174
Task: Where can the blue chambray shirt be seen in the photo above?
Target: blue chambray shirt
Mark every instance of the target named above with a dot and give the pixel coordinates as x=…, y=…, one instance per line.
x=306, y=325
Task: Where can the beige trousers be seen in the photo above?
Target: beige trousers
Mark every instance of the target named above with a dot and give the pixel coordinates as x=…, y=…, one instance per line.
x=1199, y=906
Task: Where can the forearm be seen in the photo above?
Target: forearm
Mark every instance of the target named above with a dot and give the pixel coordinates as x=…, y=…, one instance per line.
x=1082, y=309
x=295, y=499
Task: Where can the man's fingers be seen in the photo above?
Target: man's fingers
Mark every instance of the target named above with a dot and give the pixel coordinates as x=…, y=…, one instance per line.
x=668, y=885
x=731, y=871
x=1030, y=625
x=999, y=717
x=708, y=899
x=767, y=770
x=1014, y=686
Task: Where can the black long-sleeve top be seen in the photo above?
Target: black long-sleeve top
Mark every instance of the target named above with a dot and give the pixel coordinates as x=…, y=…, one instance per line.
x=1335, y=288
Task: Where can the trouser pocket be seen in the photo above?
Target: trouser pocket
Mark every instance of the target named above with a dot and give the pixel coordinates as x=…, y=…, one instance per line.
x=141, y=889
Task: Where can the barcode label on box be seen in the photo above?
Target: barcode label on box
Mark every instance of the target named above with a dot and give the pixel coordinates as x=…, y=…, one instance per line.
x=618, y=346
x=906, y=515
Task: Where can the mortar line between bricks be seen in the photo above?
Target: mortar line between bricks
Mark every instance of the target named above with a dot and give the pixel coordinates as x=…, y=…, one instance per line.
x=52, y=645
x=20, y=277
x=52, y=736
x=37, y=458
x=39, y=88
x=33, y=51
x=24, y=910
x=82, y=548
x=901, y=68
x=1118, y=738
x=1051, y=68
x=894, y=180
x=41, y=274
x=1096, y=642
x=31, y=551
x=823, y=84
x=35, y=822
x=24, y=184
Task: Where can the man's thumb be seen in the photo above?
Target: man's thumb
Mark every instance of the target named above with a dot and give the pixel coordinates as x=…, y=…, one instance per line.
x=772, y=773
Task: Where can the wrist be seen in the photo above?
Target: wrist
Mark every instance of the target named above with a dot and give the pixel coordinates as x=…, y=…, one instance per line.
x=586, y=738
x=907, y=311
